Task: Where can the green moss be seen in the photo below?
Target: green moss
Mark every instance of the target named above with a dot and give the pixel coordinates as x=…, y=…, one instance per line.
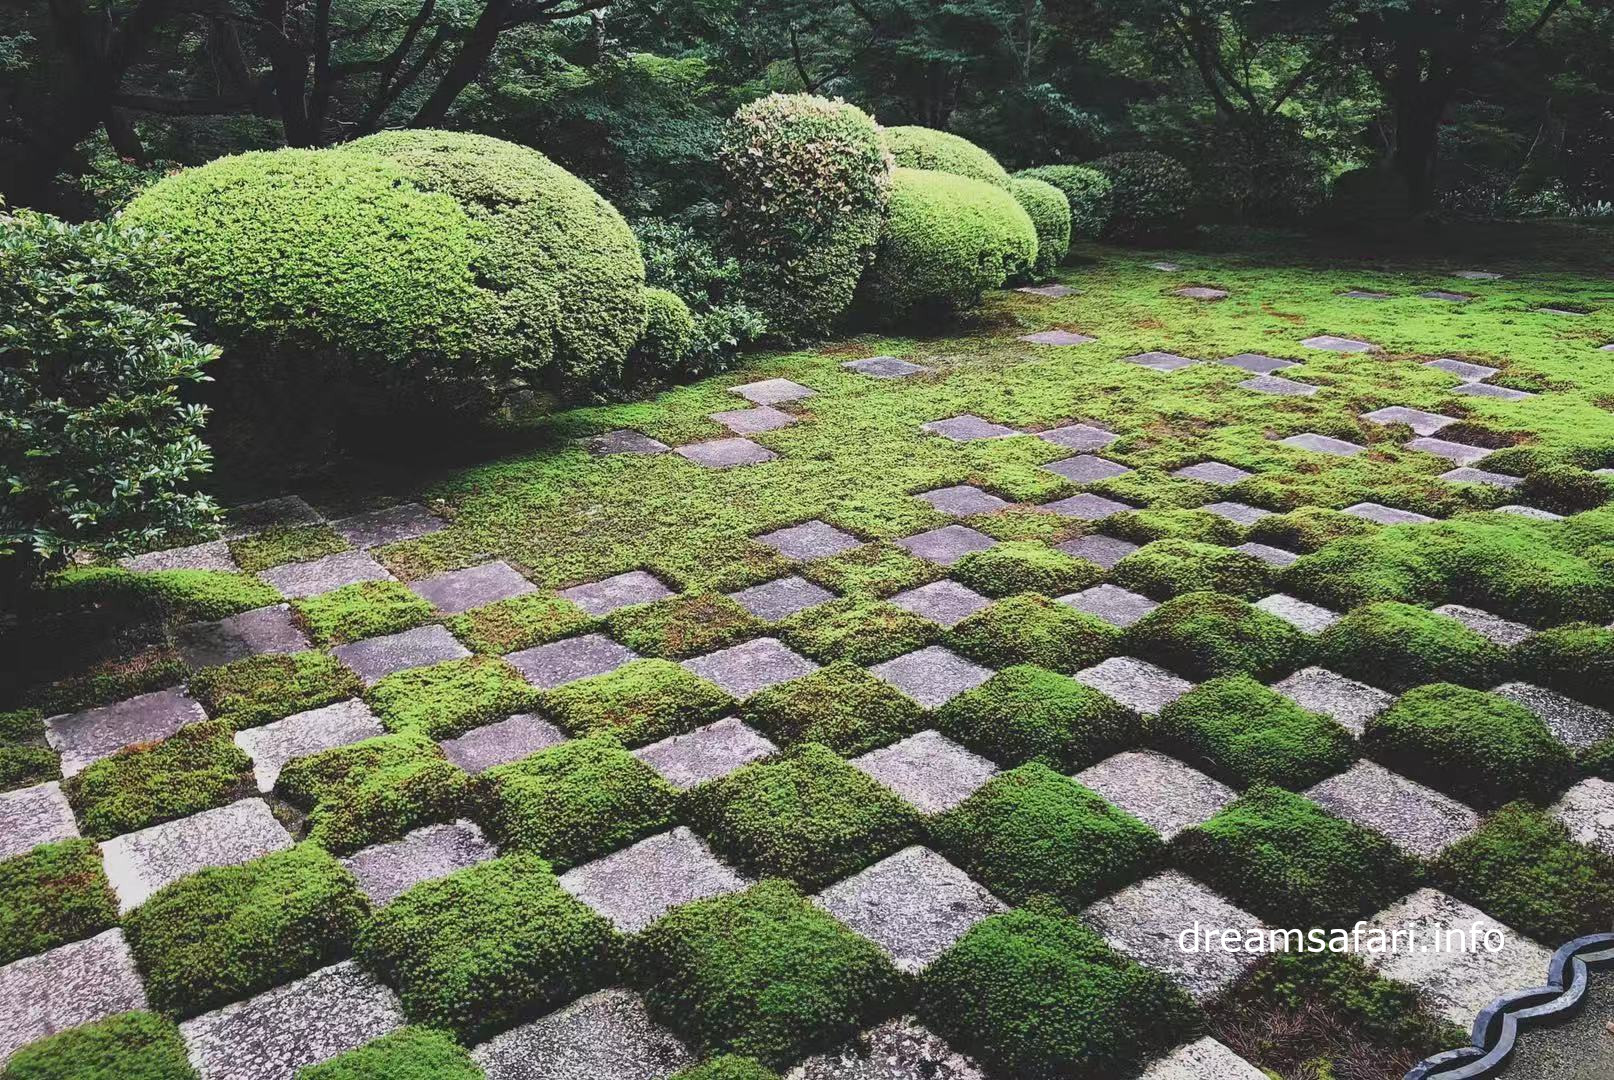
x=1167, y=568
x=197, y=768
x=916, y=147
x=763, y=973
x=683, y=626
x=1033, y=832
x=638, y=703
x=53, y=894
x=226, y=933
x=1576, y=660
x=1564, y=489
x=365, y=609
x=411, y=1053
x=22, y=726
x=1146, y=526
x=1309, y=528
x=25, y=757
x=204, y=595
x=727, y=1067
x=483, y=949
x=858, y=631
x=872, y=570
x=573, y=802
x=448, y=699
x=840, y=705
x=126, y=1046
x=261, y=689
x=281, y=545
x=1399, y=646
x=520, y=622
x=111, y=681
x=1028, y=713
x=1205, y=635
x=1250, y=734
x=374, y=790
x=806, y=815
x=1049, y=211
x=1023, y=566
x=1032, y=629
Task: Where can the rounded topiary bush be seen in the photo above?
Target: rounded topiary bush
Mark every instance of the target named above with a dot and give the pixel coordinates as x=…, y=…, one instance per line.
x=669, y=333
x=1151, y=194
x=947, y=239
x=916, y=147
x=1049, y=211
x=807, y=181
x=1090, y=193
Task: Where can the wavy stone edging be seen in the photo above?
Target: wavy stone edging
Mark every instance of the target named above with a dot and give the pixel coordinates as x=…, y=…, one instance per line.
x=1497, y=1027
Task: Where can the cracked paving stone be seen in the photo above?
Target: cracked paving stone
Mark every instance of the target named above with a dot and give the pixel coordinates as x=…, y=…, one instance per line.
x=561, y=662
x=296, y=581
x=884, y=367
x=622, y=441
x=1139, y=685
x=1465, y=474
x=1160, y=361
x=391, y=525
x=1158, y=790
x=1057, y=337
x=387, y=871
x=915, y=905
x=1462, y=369
x=620, y=590
x=140, y=863
x=928, y=770
x=1258, y=363
x=287, y=512
x=458, y=591
x=1421, y=422
x=1087, y=469
x=962, y=500
x=85, y=737
x=1078, y=437
x=705, y=753
x=1459, y=453
x=1099, y=549
x=1272, y=556
x=639, y=884
x=1212, y=472
x=1308, y=618
x=607, y=1035
x=1236, y=512
x=945, y=603
x=1502, y=631
x=69, y=985
x=946, y=545
x=742, y=670
x=212, y=555
x=1115, y=605
x=33, y=816
x=1577, y=725
x=1386, y=515
x=772, y=391
x=1323, y=444
x=780, y=598
x=1448, y=297
x=809, y=540
x=1415, y=818
x=1052, y=292
x=373, y=659
x=1087, y=506
x=1587, y=810
x=933, y=675
x=726, y=453
x=752, y=421
x=1277, y=384
x=501, y=742
x=968, y=427
x=263, y=630
x=1330, y=343
x=1349, y=703
x=271, y=746
x=1145, y=921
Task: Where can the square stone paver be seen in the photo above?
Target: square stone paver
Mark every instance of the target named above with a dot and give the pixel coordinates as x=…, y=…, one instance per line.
x=298, y=580
x=915, y=905
x=387, y=871
x=1052, y=292
x=1160, y=361
x=1503, y=632
x=705, y=753
x=1145, y=921
x=1460, y=453
x=620, y=590
x=1087, y=469
x=1309, y=618
x=1476, y=275
x=1115, y=605
x=1457, y=983
x=1462, y=369
x=1258, y=363
x=1139, y=685
x=1160, y=791
x=287, y=512
x=1237, y=512
x=933, y=675
x=638, y=885
x=929, y=770
x=1166, y=267
x=390, y=525
x=1330, y=343
x=622, y=441
x=1277, y=384
x=968, y=428
x=1572, y=313
x=1530, y=512
x=502, y=742
x=751, y=421
x=726, y=453
x=1449, y=297
x=884, y=367
x=373, y=659
x=962, y=500
x=1199, y=292
x=946, y=545
x=757, y=664
x=1418, y=819
x=1587, y=810
x=1272, y=556
x=1365, y=294
x=1421, y=422
x=32, y=816
x=772, y=391
x=782, y=597
x=560, y=662
x=1087, y=506
x=272, y=1036
x=89, y=736
x=462, y=590
x=605, y=1035
x=1387, y=515
x=212, y=555
x=809, y=540
x=273, y=745
x=1202, y=1059
x=1078, y=437
x=1323, y=444
x=1465, y=474
x=945, y=603
x=69, y=985
x=899, y=1049
x=1577, y=725
x=1057, y=337
x=1099, y=549
x=263, y=630
x=140, y=863
x=1349, y=703
x=1212, y=472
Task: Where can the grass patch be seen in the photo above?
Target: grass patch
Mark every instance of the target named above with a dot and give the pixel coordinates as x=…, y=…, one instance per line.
x=448, y=699
x=1028, y=713
x=840, y=705
x=365, y=609
x=858, y=631
x=1167, y=568
x=638, y=703
x=683, y=626
x=283, y=544
x=51, y=895
x=1021, y=566
x=1032, y=629
x=197, y=768
x=126, y=1046
x=1241, y=730
x=1576, y=660
x=873, y=570
x=411, y=1053
x=262, y=689
x=520, y=622
x=374, y=790
x=1206, y=635
x=1399, y=646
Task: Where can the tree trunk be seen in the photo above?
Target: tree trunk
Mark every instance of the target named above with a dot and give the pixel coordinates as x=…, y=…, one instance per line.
x=467, y=64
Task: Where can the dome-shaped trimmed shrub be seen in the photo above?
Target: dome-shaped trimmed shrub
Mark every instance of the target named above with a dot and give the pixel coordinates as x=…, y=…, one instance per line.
x=916, y=147
x=947, y=239
x=669, y=331
x=1089, y=192
x=1049, y=211
x=807, y=181
x=1151, y=194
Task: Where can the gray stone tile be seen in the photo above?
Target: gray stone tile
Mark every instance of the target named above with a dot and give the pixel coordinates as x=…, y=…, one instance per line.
x=755, y=665
x=1099, y=549
x=605, y=1035
x=884, y=367
x=502, y=742
x=1258, y=363
x=272, y=1036
x=1087, y=469
x=933, y=675
x=1212, y=472
x=961, y=500
x=1087, y=506
x=1421, y=422
x=1160, y=361
x=1277, y=384
x=1236, y=512
x=1448, y=297
x=1418, y=819
x=1272, y=556
x=283, y=513
x=899, y=1049
x=1052, y=292
x=32, y=816
x=705, y=753
x=968, y=428
x=387, y=871
x=1349, y=703
x=1502, y=631
x=1057, y=337
x=213, y=555
x=1462, y=369
x=1365, y=294
x=140, y=863
x=1309, y=618
x=391, y=525
x=69, y=985
x=1530, y=512
x=461, y=590
x=1465, y=474
x=1139, y=685
x=264, y=630
x=782, y=597
x=1167, y=267
x=929, y=770
x=1199, y=292
x=1330, y=343
x=1460, y=453
x=1577, y=725
x=1387, y=515
x=1078, y=437
x=1476, y=275
x=1323, y=444
x=623, y=441
x=1587, y=810
x=772, y=391
x=1202, y=1059
x=945, y=603
x=273, y=745
x=726, y=453
x=1113, y=604
x=638, y=885
x=1160, y=791
x=1569, y=312
x=373, y=659
x=620, y=590
x=915, y=905
x=947, y=544
x=298, y=580
x=1145, y=921
x=89, y=736
x=754, y=420
x=809, y=540
x=559, y=662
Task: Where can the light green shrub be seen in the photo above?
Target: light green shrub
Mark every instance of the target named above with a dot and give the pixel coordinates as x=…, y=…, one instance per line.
x=669, y=334
x=1049, y=211
x=915, y=147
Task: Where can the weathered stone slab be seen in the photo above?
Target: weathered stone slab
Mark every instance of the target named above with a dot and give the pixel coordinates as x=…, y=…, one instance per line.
x=1203, y=1059
x=933, y=675
x=1587, y=810
x=284, y=513
x=560, y=662
x=1421, y=422
x=705, y=753
x=755, y=665
x=1448, y=297
x=1365, y=294
x=1098, y=549
x=968, y=428
x=1310, y=618
x=1087, y=469
x=947, y=544
x=1087, y=506
x=772, y=391
x=623, y=441
x=298, y=580
x=782, y=597
x=1530, y=512
x=1160, y=791
x=1199, y=292
x=212, y=555
x=1349, y=703
x=1167, y=267
x=273, y=745
x=945, y=603
x=606, y=595
x=751, y=421
x=1160, y=361
x=1576, y=724
x=1052, y=292
x=264, y=630
x=1145, y=921
x=1418, y=819
x=1272, y=556
x=1078, y=437
x=884, y=367
x=1139, y=685
x=1330, y=343
x=373, y=659
x=1387, y=515
x=1462, y=369
x=32, y=816
x=899, y=1049
x=88, y=736
x=462, y=590
x=1057, y=337
x=387, y=871
x=1460, y=453
x=1476, y=275
x=1323, y=444
x=638, y=885
x=809, y=540
x=500, y=743
x=1236, y=512
x=1258, y=363
x=140, y=863
x=1570, y=312
x=1212, y=472
x=915, y=905
x=1465, y=474
x=69, y=985
x=726, y=453
x=1115, y=605
x=1504, y=632
x=961, y=500
x=1277, y=384
x=390, y=525
x=929, y=770
x=608, y=1034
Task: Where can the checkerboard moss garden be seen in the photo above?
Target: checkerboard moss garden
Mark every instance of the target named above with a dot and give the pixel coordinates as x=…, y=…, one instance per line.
x=620, y=787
